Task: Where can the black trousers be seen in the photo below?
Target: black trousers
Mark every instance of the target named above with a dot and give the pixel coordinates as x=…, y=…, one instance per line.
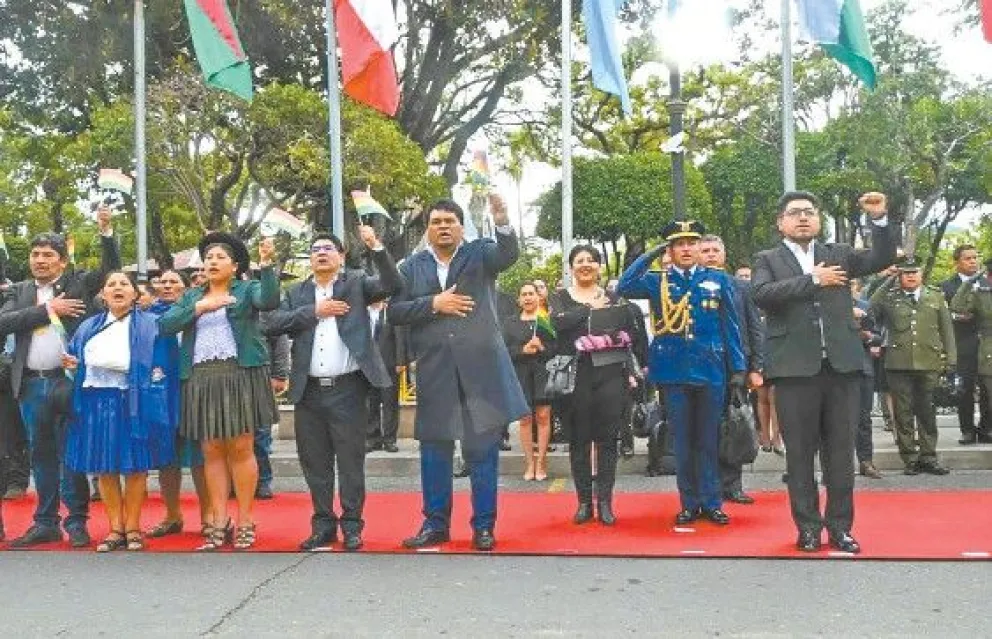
x=863, y=440
x=13, y=444
x=970, y=383
x=820, y=413
x=330, y=430
x=384, y=413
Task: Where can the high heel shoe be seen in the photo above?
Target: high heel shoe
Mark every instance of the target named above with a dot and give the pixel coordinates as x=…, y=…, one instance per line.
x=529, y=472
x=541, y=474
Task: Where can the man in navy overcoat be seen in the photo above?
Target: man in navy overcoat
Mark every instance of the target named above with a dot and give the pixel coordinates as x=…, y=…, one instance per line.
x=466, y=387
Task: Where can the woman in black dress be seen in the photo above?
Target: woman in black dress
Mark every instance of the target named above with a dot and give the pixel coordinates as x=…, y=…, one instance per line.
x=599, y=328
x=529, y=337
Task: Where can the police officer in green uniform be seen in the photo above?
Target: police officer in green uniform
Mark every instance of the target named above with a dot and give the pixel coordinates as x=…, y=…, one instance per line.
x=974, y=299
x=921, y=346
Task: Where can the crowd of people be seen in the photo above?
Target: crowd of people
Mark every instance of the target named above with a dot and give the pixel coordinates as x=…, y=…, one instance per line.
x=106, y=378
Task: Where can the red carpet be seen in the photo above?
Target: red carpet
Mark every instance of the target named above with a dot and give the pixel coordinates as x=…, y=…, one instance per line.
x=889, y=525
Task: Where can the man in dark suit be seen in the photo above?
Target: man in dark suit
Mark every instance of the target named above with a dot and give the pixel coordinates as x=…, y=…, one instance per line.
x=384, y=403
x=43, y=312
x=815, y=357
x=334, y=360
x=712, y=254
x=966, y=337
x=466, y=386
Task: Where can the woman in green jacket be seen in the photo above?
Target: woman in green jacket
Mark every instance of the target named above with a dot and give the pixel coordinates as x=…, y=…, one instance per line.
x=224, y=368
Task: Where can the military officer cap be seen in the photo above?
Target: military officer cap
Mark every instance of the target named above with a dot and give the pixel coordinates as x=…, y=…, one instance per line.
x=909, y=265
x=678, y=229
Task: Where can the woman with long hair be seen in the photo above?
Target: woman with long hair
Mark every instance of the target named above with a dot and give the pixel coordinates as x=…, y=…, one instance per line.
x=599, y=329
x=171, y=286
x=224, y=367
x=529, y=338
x=121, y=424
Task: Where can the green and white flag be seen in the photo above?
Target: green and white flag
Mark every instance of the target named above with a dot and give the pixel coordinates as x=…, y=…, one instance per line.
x=839, y=27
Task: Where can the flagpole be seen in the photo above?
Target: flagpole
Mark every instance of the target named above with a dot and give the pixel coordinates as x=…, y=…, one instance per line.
x=566, y=136
x=788, y=108
x=141, y=203
x=334, y=126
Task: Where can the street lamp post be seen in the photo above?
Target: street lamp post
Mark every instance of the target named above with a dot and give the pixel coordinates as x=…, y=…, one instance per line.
x=676, y=109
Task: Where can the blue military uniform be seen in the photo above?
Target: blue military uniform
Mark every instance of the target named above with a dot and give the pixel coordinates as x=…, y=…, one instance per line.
x=696, y=347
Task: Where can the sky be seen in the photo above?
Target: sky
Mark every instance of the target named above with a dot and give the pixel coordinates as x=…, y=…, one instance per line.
x=966, y=54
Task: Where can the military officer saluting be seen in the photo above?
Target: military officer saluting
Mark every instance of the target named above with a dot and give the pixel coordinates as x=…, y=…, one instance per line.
x=921, y=346
x=696, y=345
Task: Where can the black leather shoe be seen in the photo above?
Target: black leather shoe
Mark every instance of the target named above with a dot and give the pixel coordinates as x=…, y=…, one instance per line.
x=717, y=516
x=808, y=541
x=37, y=535
x=968, y=440
x=391, y=447
x=461, y=469
x=79, y=537
x=911, y=469
x=984, y=438
x=264, y=492
x=583, y=514
x=604, y=510
x=738, y=497
x=932, y=468
x=319, y=540
x=844, y=542
x=505, y=446
x=686, y=516
x=483, y=540
x=427, y=537
x=352, y=542
x=372, y=446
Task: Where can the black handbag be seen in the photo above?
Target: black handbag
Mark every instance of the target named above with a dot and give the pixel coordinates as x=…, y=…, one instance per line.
x=738, y=435
x=561, y=376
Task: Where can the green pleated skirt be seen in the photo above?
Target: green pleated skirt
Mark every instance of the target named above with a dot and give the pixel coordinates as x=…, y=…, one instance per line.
x=221, y=400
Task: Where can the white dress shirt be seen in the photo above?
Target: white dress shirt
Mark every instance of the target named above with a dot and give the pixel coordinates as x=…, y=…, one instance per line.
x=330, y=356
x=47, y=345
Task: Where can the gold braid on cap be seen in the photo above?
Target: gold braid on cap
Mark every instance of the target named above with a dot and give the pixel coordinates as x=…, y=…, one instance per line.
x=674, y=315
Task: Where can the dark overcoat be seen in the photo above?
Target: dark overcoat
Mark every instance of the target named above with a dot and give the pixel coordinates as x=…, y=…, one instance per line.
x=463, y=368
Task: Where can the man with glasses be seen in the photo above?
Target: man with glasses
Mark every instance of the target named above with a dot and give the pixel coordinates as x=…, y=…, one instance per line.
x=814, y=357
x=334, y=360
x=43, y=312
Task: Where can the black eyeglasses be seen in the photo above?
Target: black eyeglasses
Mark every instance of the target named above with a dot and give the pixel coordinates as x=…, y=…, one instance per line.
x=805, y=212
x=323, y=248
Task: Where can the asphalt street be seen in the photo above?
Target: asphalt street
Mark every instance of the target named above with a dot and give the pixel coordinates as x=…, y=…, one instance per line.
x=336, y=595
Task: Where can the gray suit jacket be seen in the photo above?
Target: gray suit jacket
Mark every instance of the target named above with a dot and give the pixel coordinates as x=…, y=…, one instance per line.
x=795, y=308
x=21, y=313
x=297, y=317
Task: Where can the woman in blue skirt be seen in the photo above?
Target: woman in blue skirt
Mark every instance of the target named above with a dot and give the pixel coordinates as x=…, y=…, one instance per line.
x=122, y=425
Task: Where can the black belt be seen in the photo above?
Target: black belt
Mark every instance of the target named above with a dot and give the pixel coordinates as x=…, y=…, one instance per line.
x=50, y=373
x=330, y=382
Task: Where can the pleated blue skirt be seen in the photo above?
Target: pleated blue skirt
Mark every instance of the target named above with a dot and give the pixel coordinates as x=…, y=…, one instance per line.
x=100, y=440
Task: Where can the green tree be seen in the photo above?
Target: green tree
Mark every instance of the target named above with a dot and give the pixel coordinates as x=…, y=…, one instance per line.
x=622, y=199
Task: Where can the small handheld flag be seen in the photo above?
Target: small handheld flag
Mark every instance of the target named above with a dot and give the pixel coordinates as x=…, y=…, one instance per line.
x=478, y=174
x=115, y=180
x=281, y=220
x=366, y=205
x=70, y=248
x=543, y=322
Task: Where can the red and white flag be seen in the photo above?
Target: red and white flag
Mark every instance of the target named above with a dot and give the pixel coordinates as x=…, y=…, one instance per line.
x=986, y=9
x=366, y=32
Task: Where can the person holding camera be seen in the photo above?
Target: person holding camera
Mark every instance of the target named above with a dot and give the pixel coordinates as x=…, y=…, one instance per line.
x=921, y=346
